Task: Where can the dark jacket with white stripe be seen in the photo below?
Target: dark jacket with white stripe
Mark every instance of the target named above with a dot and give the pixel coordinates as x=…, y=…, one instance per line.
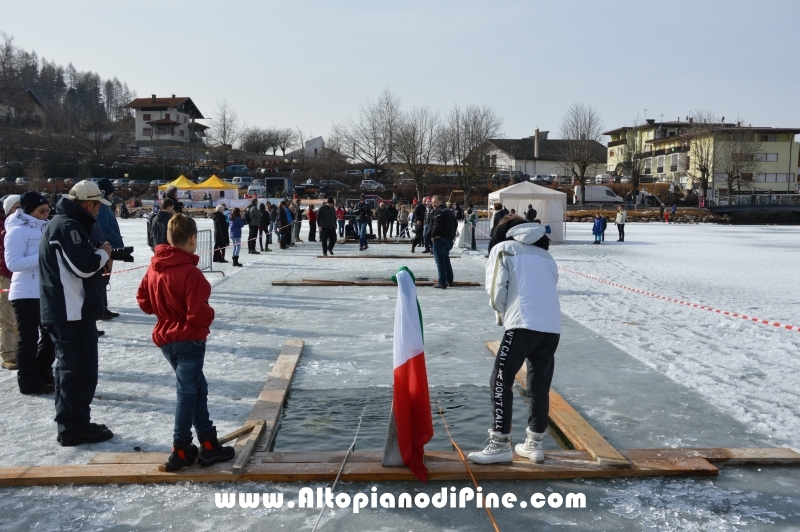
x=71, y=283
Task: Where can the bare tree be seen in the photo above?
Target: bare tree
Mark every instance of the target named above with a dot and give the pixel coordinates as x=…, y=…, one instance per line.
x=702, y=138
x=633, y=155
x=415, y=143
x=470, y=130
x=736, y=156
x=255, y=140
x=582, y=129
x=388, y=109
x=302, y=137
x=364, y=138
x=225, y=132
x=285, y=138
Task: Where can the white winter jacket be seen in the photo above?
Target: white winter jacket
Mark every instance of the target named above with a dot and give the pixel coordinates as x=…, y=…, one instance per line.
x=521, y=281
x=620, y=219
x=23, y=233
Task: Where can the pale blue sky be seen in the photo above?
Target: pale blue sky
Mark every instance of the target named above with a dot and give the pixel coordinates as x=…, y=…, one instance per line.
x=310, y=64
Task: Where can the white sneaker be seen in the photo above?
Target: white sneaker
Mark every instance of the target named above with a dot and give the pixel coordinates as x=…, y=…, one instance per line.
x=531, y=448
x=497, y=452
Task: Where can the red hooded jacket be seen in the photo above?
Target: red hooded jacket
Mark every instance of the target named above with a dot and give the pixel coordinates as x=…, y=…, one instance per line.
x=177, y=293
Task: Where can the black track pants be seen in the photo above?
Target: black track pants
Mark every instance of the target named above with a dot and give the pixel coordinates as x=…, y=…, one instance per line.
x=519, y=345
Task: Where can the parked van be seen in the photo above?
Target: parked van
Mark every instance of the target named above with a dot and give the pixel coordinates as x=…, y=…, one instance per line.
x=256, y=190
x=242, y=182
x=597, y=194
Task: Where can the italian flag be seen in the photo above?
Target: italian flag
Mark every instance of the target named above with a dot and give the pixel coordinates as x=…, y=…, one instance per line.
x=412, y=408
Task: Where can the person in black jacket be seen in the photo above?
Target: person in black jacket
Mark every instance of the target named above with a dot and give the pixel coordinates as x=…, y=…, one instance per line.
x=222, y=237
x=71, y=289
x=419, y=223
x=363, y=214
x=500, y=212
x=263, y=227
x=172, y=193
x=326, y=220
x=530, y=214
x=442, y=233
x=157, y=224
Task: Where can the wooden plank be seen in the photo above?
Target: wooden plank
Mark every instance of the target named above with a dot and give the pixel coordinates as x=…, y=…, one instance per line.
x=235, y=434
x=730, y=456
x=269, y=404
x=421, y=256
x=557, y=466
x=574, y=427
x=249, y=447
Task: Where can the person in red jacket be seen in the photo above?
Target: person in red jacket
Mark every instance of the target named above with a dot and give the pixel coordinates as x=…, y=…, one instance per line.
x=312, y=224
x=177, y=292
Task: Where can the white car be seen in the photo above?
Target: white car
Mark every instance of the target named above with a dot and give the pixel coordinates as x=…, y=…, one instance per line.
x=370, y=185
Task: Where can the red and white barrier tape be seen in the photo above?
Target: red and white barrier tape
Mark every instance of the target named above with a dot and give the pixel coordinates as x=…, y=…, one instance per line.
x=688, y=303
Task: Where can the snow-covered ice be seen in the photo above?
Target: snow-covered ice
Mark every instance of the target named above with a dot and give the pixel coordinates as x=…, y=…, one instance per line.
x=674, y=368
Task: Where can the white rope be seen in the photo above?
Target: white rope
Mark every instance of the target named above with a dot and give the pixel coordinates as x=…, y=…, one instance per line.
x=346, y=456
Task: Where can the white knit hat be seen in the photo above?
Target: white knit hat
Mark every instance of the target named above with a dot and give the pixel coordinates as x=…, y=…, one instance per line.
x=9, y=202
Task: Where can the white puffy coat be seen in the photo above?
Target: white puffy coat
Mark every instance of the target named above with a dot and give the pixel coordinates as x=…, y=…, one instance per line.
x=23, y=233
x=521, y=281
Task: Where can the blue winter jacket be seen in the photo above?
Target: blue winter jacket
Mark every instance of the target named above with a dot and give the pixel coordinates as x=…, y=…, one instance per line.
x=107, y=223
x=597, y=226
x=236, y=227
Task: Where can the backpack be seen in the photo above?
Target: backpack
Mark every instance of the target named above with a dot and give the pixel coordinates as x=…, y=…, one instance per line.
x=247, y=217
x=150, y=239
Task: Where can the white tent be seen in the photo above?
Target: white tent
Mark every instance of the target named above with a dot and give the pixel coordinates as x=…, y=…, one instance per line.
x=550, y=205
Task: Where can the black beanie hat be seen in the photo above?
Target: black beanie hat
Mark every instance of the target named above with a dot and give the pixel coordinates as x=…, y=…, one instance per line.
x=30, y=201
x=106, y=186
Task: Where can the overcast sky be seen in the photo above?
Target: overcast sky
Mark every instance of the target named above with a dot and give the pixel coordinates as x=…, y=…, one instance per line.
x=310, y=64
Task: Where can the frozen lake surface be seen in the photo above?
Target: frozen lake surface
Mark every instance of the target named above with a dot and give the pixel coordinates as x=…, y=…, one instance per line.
x=645, y=372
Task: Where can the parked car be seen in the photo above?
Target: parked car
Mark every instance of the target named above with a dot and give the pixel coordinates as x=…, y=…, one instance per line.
x=504, y=176
x=256, y=190
x=6, y=180
x=371, y=185
x=139, y=183
x=296, y=171
x=332, y=184
x=120, y=183
x=55, y=179
x=452, y=175
x=159, y=182
x=647, y=179
x=358, y=173
x=236, y=170
x=242, y=181
x=68, y=182
x=21, y=181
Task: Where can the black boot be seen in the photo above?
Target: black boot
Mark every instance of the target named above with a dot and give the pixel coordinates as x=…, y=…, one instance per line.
x=211, y=451
x=183, y=454
x=236, y=260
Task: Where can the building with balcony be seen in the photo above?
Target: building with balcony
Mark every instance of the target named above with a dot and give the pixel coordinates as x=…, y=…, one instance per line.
x=167, y=121
x=23, y=108
x=672, y=152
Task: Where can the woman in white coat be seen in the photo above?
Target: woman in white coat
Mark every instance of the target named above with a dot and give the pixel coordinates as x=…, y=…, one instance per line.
x=35, y=353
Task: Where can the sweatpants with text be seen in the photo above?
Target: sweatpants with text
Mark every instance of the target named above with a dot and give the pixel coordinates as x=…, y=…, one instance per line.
x=519, y=346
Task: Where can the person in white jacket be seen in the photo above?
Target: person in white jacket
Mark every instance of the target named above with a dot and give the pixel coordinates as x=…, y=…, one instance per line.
x=521, y=278
x=622, y=215
x=35, y=352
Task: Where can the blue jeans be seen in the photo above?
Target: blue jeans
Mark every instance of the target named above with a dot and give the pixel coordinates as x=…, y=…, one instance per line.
x=426, y=237
x=186, y=358
x=362, y=233
x=441, y=255
x=341, y=228
x=237, y=246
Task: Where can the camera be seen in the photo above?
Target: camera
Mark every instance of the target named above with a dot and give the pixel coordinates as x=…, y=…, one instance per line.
x=124, y=254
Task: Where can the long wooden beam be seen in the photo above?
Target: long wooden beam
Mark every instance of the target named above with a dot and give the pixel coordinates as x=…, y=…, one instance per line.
x=574, y=427
x=249, y=447
x=269, y=404
x=558, y=465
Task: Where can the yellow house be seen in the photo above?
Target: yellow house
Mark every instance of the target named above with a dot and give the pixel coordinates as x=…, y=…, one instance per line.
x=676, y=152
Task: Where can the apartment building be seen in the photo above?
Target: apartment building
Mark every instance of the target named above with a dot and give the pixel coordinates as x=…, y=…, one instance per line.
x=167, y=121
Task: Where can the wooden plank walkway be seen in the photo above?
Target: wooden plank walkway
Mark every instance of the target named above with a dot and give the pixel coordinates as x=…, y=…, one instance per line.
x=573, y=426
x=590, y=459
x=368, y=282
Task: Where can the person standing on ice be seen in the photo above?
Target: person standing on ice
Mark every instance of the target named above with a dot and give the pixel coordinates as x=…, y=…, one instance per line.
x=521, y=278
x=620, y=222
x=597, y=228
x=177, y=292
